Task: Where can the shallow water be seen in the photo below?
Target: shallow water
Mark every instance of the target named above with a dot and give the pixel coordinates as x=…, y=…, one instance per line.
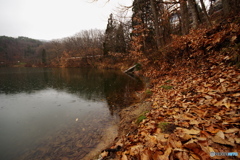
x=58, y=113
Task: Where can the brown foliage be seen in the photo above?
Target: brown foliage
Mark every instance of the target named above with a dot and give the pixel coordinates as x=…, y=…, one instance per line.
x=195, y=97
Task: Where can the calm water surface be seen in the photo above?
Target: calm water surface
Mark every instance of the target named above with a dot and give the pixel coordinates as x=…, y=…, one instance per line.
x=58, y=113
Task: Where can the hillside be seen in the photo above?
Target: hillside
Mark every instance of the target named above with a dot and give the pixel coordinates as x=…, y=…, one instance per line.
x=195, y=100
x=15, y=50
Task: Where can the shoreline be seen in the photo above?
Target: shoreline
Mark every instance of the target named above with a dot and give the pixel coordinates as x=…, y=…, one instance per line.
x=127, y=124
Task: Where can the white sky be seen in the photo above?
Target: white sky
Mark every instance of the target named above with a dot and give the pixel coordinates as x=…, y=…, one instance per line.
x=53, y=19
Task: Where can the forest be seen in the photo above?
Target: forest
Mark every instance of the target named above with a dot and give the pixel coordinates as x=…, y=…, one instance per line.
x=154, y=25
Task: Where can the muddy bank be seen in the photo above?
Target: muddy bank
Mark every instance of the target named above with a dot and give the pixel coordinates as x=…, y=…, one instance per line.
x=128, y=125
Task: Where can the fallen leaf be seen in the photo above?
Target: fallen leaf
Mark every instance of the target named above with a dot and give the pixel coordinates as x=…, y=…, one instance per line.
x=221, y=80
x=220, y=134
x=135, y=150
x=194, y=156
x=219, y=140
x=201, y=138
x=233, y=38
x=192, y=122
x=146, y=155
x=237, y=140
x=156, y=155
x=166, y=154
x=104, y=154
x=151, y=141
x=185, y=136
x=232, y=130
x=191, y=144
x=189, y=131
x=211, y=129
x=124, y=157
x=182, y=155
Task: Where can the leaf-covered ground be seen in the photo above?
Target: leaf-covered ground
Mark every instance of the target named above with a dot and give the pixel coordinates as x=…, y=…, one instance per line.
x=195, y=102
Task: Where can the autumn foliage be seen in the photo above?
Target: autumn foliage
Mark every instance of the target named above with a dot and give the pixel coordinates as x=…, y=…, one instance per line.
x=195, y=99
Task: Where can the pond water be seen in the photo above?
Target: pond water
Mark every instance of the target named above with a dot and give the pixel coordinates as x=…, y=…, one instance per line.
x=59, y=113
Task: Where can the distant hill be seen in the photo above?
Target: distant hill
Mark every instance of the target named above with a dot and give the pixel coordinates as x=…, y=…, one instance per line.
x=19, y=49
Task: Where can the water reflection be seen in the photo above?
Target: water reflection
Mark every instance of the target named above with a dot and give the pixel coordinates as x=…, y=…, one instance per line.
x=88, y=84
x=39, y=107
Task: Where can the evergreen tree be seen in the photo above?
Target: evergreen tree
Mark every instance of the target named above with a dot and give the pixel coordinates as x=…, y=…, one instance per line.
x=120, y=39
x=114, y=37
x=109, y=41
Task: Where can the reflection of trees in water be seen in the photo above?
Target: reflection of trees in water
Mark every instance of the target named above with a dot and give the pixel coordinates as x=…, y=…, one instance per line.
x=115, y=87
x=17, y=80
x=119, y=90
x=89, y=84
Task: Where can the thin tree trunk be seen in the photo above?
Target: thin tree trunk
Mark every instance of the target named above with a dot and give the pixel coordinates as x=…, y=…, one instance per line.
x=156, y=24
x=184, y=17
x=194, y=13
x=226, y=7
x=205, y=13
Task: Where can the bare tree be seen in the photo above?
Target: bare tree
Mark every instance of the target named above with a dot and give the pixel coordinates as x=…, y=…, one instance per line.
x=205, y=13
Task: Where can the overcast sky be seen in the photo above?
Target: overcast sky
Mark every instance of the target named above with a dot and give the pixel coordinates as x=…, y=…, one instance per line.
x=54, y=19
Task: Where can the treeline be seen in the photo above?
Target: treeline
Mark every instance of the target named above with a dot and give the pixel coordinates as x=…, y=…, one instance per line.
x=19, y=49
x=83, y=44
x=152, y=26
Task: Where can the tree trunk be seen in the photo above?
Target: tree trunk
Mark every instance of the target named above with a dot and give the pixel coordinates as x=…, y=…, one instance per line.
x=184, y=17
x=226, y=7
x=194, y=12
x=156, y=24
x=230, y=7
x=205, y=13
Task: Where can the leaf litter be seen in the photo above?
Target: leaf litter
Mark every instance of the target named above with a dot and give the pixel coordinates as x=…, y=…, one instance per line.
x=203, y=107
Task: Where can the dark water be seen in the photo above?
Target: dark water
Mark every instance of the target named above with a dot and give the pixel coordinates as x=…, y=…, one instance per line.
x=58, y=113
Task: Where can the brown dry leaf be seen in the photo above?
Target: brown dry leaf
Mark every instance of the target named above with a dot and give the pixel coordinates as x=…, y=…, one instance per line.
x=192, y=122
x=156, y=155
x=166, y=154
x=160, y=136
x=232, y=120
x=233, y=38
x=221, y=80
x=191, y=144
x=201, y=138
x=194, y=157
x=151, y=141
x=182, y=155
x=188, y=131
x=174, y=143
x=219, y=140
x=146, y=155
x=237, y=140
x=232, y=130
x=226, y=102
x=124, y=157
x=185, y=137
x=104, y=154
x=205, y=149
x=197, y=149
x=135, y=150
x=211, y=129
x=220, y=134
x=236, y=94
